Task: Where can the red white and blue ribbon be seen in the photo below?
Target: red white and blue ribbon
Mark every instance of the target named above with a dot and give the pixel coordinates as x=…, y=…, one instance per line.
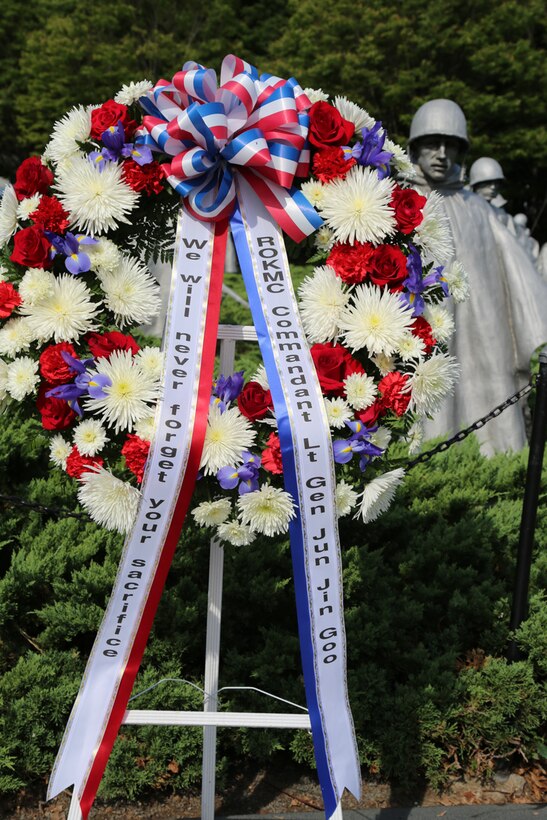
x=232, y=151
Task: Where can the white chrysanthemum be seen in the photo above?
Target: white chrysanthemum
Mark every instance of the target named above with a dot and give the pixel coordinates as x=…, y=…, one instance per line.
x=322, y=299
x=212, y=513
x=441, y=321
x=267, y=510
x=97, y=200
x=346, y=498
x=432, y=380
x=3, y=271
x=228, y=435
x=105, y=256
x=385, y=364
x=433, y=234
x=401, y=159
x=414, y=438
x=59, y=450
x=8, y=214
x=65, y=314
x=354, y=113
x=36, y=284
x=15, y=336
x=131, y=92
x=28, y=205
x=381, y=437
x=131, y=293
x=145, y=428
x=357, y=208
x=314, y=191
x=378, y=494
x=151, y=359
x=129, y=394
x=236, y=534
x=3, y=379
x=338, y=412
x=360, y=390
x=411, y=347
x=376, y=319
x=22, y=377
x=324, y=239
x=110, y=502
x=316, y=95
x=457, y=280
x=73, y=128
x=90, y=437
x=261, y=377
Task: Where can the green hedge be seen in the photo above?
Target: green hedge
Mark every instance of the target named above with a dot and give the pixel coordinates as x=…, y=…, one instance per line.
x=428, y=594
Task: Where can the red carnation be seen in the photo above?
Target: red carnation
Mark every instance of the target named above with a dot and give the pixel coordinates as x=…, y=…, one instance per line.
x=271, y=456
x=31, y=248
x=147, y=178
x=50, y=215
x=103, y=344
x=254, y=402
x=56, y=413
x=422, y=329
x=408, y=205
x=53, y=367
x=331, y=163
x=328, y=127
x=135, y=451
x=110, y=113
x=333, y=364
x=32, y=177
x=388, y=267
x=9, y=299
x=351, y=262
x=77, y=464
x=391, y=387
x=370, y=415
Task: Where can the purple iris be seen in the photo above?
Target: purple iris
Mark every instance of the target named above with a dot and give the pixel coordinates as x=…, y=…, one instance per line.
x=69, y=245
x=115, y=146
x=358, y=443
x=371, y=150
x=85, y=382
x=245, y=477
x=414, y=284
x=435, y=277
x=226, y=389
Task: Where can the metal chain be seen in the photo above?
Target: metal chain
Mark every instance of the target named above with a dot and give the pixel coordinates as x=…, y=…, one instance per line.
x=440, y=448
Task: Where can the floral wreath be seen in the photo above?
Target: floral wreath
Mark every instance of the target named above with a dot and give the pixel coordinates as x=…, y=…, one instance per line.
x=76, y=230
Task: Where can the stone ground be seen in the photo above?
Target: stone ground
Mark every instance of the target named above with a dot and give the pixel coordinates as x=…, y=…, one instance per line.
x=282, y=791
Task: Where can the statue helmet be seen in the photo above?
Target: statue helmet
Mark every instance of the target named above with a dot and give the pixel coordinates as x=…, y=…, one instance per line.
x=443, y=117
x=485, y=169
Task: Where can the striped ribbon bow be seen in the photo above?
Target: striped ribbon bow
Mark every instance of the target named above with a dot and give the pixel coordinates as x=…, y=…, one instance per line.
x=251, y=125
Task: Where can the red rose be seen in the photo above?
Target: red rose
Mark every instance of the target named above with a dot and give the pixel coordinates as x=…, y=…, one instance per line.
x=271, y=456
x=148, y=178
x=77, y=464
x=254, y=402
x=388, y=267
x=351, y=262
x=110, y=113
x=370, y=415
x=53, y=367
x=56, y=413
x=422, y=329
x=31, y=248
x=9, y=299
x=135, y=451
x=50, y=215
x=391, y=387
x=328, y=127
x=407, y=204
x=333, y=364
x=331, y=163
x=32, y=178
x=103, y=344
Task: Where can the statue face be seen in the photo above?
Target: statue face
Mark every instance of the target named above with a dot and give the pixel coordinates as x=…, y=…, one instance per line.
x=437, y=156
x=488, y=189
